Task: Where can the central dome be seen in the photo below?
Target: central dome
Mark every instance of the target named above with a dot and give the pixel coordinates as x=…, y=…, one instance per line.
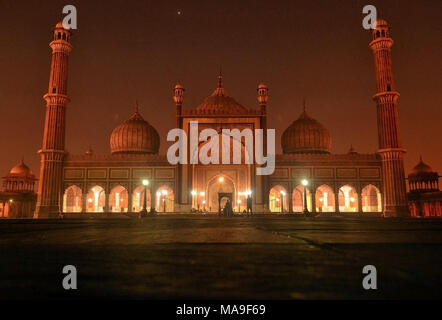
x=219, y=102
x=135, y=135
x=306, y=135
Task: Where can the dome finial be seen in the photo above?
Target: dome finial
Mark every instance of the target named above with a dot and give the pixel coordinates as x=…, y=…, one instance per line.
x=136, y=106
x=220, y=78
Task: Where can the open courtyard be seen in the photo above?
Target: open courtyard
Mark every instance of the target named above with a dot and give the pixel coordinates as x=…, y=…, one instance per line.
x=211, y=257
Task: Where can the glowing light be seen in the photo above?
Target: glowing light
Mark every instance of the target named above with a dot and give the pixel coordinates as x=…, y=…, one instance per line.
x=240, y=193
x=89, y=200
x=239, y=201
x=282, y=192
x=202, y=193
x=221, y=179
x=158, y=193
x=11, y=200
x=193, y=192
x=145, y=182
x=138, y=194
x=304, y=182
x=321, y=199
x=352, y=199
x=249, y=192
x=277, y=199
x=204, y=201
x=164, y=192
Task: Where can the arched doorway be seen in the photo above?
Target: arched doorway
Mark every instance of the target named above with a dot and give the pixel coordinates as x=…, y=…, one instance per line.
x=298, y=199
x=325, y=199
x=348, y=199
x=278, y=201
x=118, y=199
x=220, y=184
x=371, y=199
x=138, y=199
x=164, y=200
x=72, y=199
x=222, y=201
x=96, y=199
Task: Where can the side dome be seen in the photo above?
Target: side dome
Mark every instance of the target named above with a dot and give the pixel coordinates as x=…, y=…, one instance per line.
x=306, y=135
x=135, y=135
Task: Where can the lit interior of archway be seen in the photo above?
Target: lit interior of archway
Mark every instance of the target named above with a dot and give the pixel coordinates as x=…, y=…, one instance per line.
x=164, y=199
x=298, y=199
x=348, y=199
x=72, y=199
x=138, y=199
x=371, y=199
x=118, y=199
x=325, y=199
x=96, y=199
x=278, y=199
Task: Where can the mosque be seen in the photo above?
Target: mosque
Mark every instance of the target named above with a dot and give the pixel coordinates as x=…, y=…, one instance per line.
x=307, y=178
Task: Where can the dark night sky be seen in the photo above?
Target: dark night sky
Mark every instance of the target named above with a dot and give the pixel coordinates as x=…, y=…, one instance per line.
x=128, y=50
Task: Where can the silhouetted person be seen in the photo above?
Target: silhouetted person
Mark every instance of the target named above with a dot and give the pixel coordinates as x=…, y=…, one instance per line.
x=249, y=205
x=228, y=208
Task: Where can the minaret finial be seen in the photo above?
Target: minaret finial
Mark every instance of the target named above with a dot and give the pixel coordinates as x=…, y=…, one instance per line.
x=136, y=106
x=220, y=78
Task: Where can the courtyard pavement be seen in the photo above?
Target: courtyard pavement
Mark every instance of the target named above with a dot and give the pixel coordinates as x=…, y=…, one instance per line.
x=211, y=257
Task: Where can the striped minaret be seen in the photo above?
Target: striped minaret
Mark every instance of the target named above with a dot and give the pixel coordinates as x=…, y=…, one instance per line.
x=390, y=146
x=52, y=152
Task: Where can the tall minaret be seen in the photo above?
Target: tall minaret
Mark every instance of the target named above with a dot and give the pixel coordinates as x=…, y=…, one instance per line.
x=52, y=152
x=390, y=146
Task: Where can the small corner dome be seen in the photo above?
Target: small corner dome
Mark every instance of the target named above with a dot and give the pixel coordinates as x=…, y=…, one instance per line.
x=306, y=135
x=381, y=22
x=421, y=169
x=135, y=135
x=21, y=170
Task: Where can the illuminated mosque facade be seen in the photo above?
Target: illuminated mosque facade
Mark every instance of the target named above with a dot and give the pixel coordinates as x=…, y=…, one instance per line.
x=112, y=184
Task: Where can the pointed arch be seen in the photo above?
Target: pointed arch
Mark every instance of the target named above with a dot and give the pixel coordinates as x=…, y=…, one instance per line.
x=96, y=199
x=325, y=199
x=348, y=199
x=371, y=199
x=72, y=199
x=298, y=199
x=165, y=199
x=138, y=199
x=118, y=199
x=278, y=199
